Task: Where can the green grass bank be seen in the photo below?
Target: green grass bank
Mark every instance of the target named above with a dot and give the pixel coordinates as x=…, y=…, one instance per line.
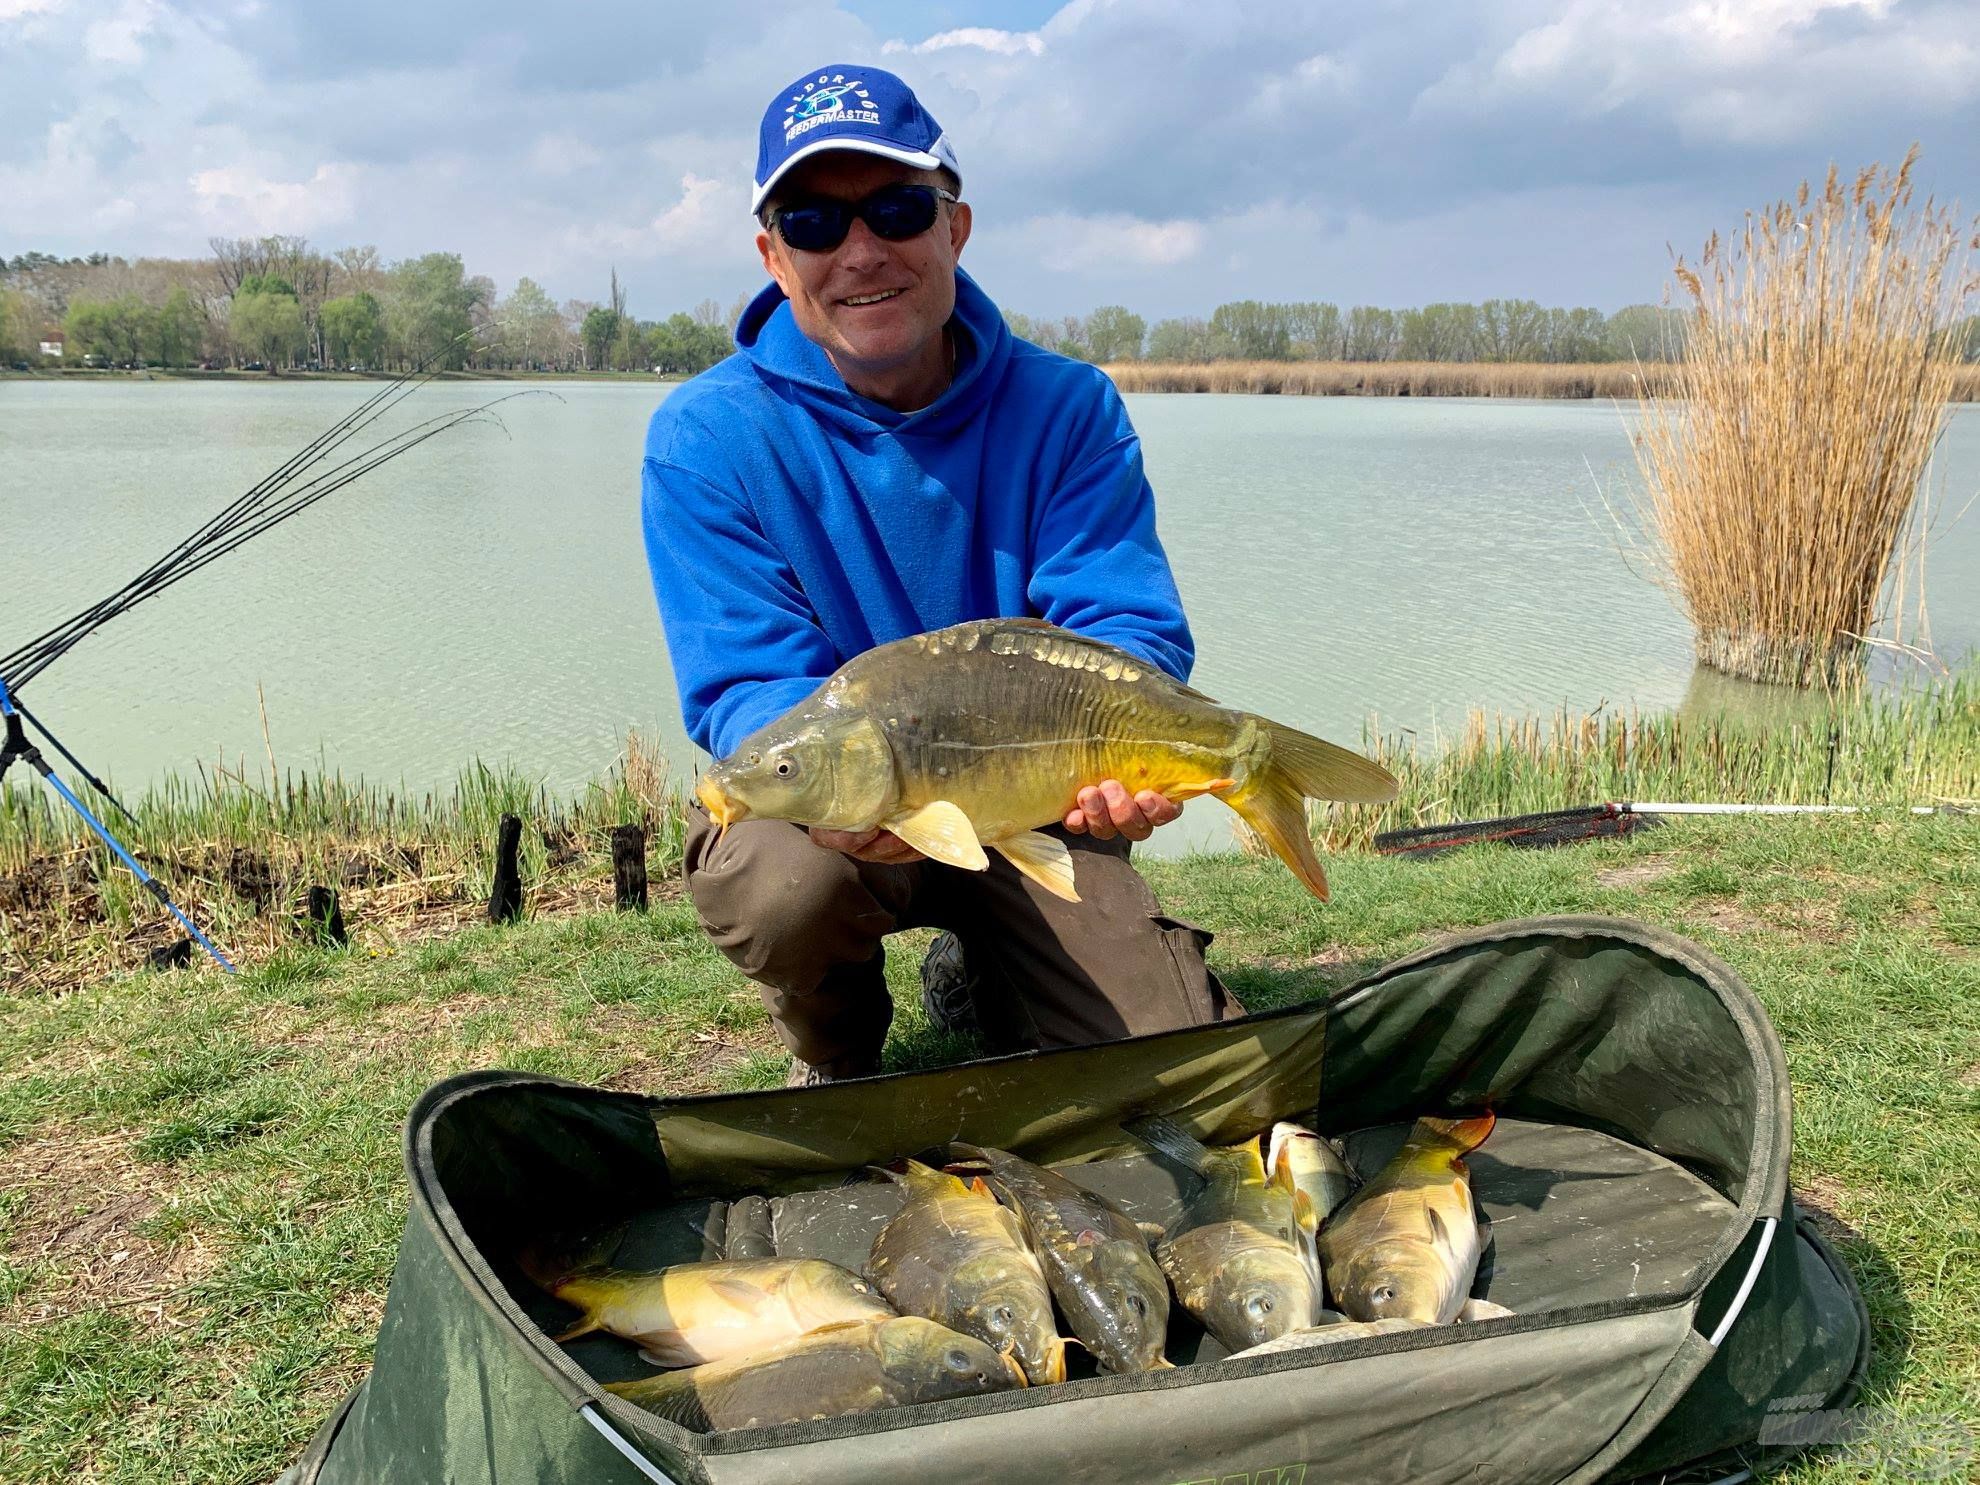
x=200, y=1188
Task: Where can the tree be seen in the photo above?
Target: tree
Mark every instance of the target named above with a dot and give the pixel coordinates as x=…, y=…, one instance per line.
x=1115, y=334
x=177, y=328
x=599, y=332
x=354, y=330
x=115, y=329
x=1187, y=339
x=1510, y=330
x=1370, y=334
x=429, y=313
x=18, y=340
x=1255, y=331
x=532, y=331
x=1439, y=332
x=1647, y=332
x=682, y=345
x=1314, y=331
x=269, y=328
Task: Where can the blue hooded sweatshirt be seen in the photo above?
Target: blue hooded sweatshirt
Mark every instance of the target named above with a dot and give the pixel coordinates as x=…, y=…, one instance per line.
x=792, y=524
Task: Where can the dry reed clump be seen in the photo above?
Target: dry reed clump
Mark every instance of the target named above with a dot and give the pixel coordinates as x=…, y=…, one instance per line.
x=1785, y=477
x=1615, y=379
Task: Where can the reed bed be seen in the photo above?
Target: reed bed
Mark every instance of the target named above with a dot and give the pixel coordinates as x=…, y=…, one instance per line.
x=240, y=852
x=1613, y=379
x=1920, y=748
x=1785, y=477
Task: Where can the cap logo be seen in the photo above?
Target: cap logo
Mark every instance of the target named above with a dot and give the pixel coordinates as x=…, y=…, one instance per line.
x=831, y=99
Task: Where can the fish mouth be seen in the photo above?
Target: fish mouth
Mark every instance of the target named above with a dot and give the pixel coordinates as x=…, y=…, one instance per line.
x=723, y=810
x=1054, y=1367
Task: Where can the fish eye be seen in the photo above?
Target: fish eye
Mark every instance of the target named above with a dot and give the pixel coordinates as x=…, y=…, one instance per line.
x=1139, y=1305
x=859, y=1286
x=1382, y=1294
x=1004, y=1315
x=785, y=768
x=1259, y=1305
x=957, y=1361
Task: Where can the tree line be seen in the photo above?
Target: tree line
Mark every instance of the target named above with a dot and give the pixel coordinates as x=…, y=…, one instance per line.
x=277, y=304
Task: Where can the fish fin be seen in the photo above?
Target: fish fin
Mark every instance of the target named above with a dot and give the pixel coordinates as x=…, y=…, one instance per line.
x=1152, y=1232
x=654, y=1358
x=1475, y=1310
x=1164, y=1135
x=671, y=1395
x=1180, y=792
x=1306, y=1214
x=1045, y=860
x=743, y=1295
x=585, y=1326
x=1466, y=1134
x=980, y=1187
x=941, y=832
x=1324, y=770
x=1272, y=806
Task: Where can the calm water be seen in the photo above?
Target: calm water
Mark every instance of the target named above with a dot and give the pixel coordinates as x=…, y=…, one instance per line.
x=486, y=596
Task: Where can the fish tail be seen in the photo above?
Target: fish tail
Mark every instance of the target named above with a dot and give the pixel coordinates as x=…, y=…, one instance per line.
x=587, y=1323
x=550, y=1261
x=1163, y=1134
x=1463, y=1134
x=1322, y=770
x=1273, y=806
x=1298, y=767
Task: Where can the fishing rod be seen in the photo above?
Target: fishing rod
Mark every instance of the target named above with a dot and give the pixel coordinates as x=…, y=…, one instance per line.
x=1597, y=822
x=278, y=496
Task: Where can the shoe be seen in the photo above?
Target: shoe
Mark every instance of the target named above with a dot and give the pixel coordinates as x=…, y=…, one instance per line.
x=948, y=990
x=804, y=1075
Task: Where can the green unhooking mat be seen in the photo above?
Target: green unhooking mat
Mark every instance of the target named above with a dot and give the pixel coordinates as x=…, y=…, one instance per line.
x=1668, y=1307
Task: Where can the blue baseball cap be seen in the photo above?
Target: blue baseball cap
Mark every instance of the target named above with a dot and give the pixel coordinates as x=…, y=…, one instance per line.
x=843, y=107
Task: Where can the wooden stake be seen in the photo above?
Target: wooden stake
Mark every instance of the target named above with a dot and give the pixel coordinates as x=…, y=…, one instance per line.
x=629, y=867
x=505, y=901
x=323, y=918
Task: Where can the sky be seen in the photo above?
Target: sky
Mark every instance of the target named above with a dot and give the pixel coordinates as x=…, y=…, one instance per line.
x=1164, y=154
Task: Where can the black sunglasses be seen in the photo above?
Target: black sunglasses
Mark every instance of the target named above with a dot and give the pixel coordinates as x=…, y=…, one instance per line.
x=817, y=224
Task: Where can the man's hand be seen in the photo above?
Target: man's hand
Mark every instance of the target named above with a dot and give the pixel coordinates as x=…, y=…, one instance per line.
x=882, y=846
x=1106, y=810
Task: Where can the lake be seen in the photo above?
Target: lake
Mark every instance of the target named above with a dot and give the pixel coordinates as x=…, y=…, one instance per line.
x=486, y=596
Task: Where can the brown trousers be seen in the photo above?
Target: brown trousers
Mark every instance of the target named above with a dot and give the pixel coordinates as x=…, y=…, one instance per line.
x=806, y=924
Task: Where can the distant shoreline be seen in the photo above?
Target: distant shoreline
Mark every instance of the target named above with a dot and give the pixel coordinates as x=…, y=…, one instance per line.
x=1558, y=381
x=232, y=374
x=1565, y=382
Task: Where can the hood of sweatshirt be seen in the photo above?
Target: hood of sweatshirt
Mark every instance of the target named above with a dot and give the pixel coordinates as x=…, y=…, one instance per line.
x=793, y=366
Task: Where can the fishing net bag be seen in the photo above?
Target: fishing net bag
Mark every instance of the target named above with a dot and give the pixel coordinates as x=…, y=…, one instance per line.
x=1670, y=1308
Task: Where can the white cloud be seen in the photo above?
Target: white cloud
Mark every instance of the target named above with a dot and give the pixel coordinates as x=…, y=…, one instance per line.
x=710, y=218
x=982, y=38
x=1076, y=243
x=562, y=154
x=119, y=39
x=17, y=10
x=233, y=198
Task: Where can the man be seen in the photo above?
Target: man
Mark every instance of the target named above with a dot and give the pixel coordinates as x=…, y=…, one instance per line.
x=883, y=458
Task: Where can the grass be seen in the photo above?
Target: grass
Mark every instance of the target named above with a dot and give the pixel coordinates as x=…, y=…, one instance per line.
x=200, y=1189
x=202, y=1181
x=1613, y=379
x=1784, y=478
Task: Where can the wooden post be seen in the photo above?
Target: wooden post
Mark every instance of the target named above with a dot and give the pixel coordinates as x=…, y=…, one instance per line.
x=175, y=955
x=505, y=900
x=629, y=867
x=323, y=918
